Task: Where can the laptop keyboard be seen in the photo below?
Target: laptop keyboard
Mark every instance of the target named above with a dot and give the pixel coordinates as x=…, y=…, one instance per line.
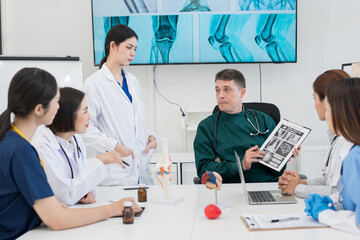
x=261, y=196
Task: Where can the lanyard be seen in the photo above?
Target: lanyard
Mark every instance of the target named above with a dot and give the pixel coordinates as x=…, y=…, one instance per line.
x=22, y=135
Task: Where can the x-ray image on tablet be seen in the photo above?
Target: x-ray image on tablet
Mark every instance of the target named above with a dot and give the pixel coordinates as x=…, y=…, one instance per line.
x=279, y=146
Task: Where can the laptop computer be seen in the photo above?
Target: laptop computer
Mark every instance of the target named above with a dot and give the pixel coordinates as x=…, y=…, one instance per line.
x=262, y=197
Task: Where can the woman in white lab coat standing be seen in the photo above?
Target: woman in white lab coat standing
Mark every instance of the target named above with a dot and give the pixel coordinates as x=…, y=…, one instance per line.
x=117, y=113
x=71, y=175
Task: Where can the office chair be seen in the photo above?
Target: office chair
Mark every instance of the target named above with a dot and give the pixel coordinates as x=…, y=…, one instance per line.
x=270, y=109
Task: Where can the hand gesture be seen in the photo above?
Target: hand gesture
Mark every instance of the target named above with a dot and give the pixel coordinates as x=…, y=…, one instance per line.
x=111, y=157
x=296, y=152
x=316, y=204
x=124, y=151
x=151, y=144
x=211, y=180
x=88, y=198
x=118, y=207
x=288, y=182
x=252, y=155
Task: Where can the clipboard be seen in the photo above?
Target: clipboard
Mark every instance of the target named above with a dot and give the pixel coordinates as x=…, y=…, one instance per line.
x=249, y=228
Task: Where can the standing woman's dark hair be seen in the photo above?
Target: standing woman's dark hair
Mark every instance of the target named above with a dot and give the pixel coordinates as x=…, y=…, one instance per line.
x=344, y=99
x=118, y=33
x=69, y=103
x=325, y=79
x=28, y=88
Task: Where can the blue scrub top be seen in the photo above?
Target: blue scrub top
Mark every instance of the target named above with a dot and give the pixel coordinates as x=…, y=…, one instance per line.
x=22, y=181
x=351, y=182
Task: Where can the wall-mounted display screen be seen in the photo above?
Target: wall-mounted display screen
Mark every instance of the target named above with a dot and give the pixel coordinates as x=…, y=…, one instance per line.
x=201, y=31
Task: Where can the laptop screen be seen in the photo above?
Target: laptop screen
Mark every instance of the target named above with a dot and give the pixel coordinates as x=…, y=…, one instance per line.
x=242, y=178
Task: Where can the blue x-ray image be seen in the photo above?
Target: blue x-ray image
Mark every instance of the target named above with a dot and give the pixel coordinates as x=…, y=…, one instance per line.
x=165, y=32
x=201, y=31
x=266, y=5
x=196, y=6
x=161, y=39
x=247, y=38
x=123, y=7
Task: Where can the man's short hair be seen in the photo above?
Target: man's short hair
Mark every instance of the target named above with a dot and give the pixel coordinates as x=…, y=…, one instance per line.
x=231, y=74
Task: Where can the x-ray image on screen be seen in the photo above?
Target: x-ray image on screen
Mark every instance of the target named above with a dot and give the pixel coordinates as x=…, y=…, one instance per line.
x=141, y=6
x=161, y=39
x=201, y=31
x=247, y=38
x=266, y=5
x=123, y=7
x=196, y=5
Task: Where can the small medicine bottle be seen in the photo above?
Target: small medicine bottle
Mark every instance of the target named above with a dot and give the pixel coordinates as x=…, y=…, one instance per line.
x=142, y=195
x=128, y=213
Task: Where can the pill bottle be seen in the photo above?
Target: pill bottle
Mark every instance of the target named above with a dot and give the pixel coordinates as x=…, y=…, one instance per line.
x=128, y=213
x=142, y=194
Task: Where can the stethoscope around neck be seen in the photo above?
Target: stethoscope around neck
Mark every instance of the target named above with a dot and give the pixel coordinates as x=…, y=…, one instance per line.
x=246, y=112
x=67, y=158
x=324, y=169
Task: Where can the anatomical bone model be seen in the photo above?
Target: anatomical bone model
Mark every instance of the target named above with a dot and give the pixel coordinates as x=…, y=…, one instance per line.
x=163, y=169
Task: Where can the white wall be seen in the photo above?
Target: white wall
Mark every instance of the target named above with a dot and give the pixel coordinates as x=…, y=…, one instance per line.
x=328, y=35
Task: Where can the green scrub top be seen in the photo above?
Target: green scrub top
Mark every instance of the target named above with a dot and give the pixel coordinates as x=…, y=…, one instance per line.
x=233, y=133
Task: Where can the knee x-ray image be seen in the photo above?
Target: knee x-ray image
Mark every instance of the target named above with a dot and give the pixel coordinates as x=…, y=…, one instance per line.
x=161, y=39
x=247, y=38
x=201, y=31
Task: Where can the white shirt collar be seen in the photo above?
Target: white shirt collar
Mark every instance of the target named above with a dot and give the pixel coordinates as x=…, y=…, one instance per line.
x=50, y=136
x=55, y=141
x=68, y=146
x=108, y=73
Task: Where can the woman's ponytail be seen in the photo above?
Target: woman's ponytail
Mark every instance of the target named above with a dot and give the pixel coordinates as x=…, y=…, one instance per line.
x=28, y=88
x=5, y=123
x=107, y=51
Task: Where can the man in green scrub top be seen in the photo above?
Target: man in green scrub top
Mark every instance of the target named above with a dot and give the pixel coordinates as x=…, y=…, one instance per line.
x=233, y=132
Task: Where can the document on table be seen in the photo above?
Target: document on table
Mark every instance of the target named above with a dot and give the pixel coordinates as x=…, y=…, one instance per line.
x=255, y=222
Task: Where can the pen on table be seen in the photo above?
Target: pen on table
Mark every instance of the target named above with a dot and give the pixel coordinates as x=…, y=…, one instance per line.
x=284, y=219
x=134, y=188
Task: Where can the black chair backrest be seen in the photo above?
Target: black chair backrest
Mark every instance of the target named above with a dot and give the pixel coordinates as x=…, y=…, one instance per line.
x=268, y=108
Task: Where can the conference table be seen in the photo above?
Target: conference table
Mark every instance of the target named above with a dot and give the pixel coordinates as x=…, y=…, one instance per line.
x=186, y=220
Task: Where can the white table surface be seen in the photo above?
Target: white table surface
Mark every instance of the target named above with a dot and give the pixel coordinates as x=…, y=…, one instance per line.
x=186, y=220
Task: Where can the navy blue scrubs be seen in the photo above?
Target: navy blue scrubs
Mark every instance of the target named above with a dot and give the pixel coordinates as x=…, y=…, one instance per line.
x=22, y=181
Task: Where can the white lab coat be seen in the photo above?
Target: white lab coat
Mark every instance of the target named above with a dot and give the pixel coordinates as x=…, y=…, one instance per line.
x=328, y=185
x=115, y=120
x=87, y=173
x=346, y=220
x=342, y=220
